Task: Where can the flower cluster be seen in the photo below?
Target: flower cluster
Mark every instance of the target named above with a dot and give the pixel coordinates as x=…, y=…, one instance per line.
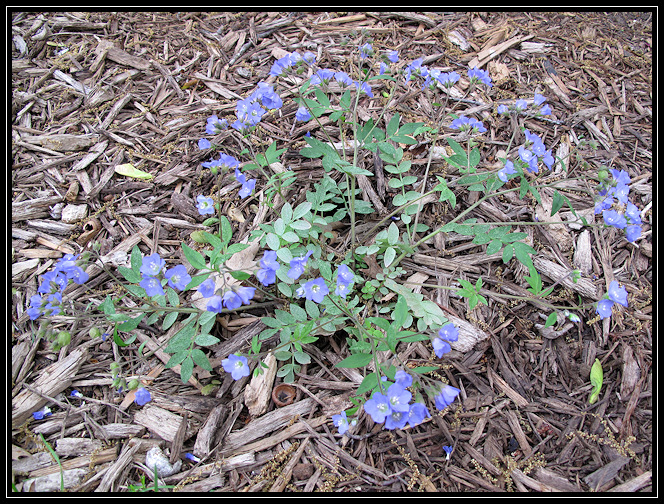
x=447, y=334
x=151, y=269
x=231, y=300
x=521, y=107
x=394, y=407
x=617, y=211
x=469, y=124
x=615, y=294
x=531, y=153
x=48, y=301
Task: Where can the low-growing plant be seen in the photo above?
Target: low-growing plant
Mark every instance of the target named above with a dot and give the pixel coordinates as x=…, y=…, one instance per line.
x=320, y=290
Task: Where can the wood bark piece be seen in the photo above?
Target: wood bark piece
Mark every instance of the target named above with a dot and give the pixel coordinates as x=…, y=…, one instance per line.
x=207, y=433
x=51, y=482
x=555, y=272
x=52, y=380
x=469, y=335
x=159, y=421
x=260, y=427
x=257, y=394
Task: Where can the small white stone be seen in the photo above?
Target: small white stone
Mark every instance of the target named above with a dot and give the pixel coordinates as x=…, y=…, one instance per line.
x=74, y=213
x=156, y=458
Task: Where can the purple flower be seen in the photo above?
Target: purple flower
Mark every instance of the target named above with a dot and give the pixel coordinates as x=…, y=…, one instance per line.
x=440, y=347
x=417, y=413
x=42, y=413
x=449, y=332
x=632, y=213
x=297, y=265
x=506, y=170
x=316, y=290
x=341, y=422
x=178, y=278
x=615, y=219
x=214, y=304
x=617, y=293
x=398, y=397
x=378, y=407
x=538, y=99
x=207, y=288
x=267, y=274
x=302, y=114
x=233, y=300
x=268, y=97
x=446, y=396
x=604, y=308
x=214, y=125
x=142, y=396
x=152, y=286
x=205, y=205
x=621, y=177
x=396, y=420
x=236, y=365
x=403, y=378
x=632, y=232
x=545, y=110
x=479, y=75
x=344, y=279
x=152, y=265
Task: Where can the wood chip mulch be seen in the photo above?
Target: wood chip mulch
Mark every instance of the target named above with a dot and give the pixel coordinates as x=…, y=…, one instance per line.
x=95, y=90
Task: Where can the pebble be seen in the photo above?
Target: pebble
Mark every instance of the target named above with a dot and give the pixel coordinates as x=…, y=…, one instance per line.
x=74, y=213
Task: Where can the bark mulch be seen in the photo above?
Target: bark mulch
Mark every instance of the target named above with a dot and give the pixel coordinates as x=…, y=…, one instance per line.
x=92, y=91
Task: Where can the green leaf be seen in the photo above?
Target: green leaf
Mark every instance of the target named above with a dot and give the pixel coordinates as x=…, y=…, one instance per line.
x=558, y=201
x=205, y=340
x=201, y=359
x=186, y=369
x=169, y=320
x=400, y=312
x=273, y=241
x=494, y=247
x=393, y=125
x=177, y=359
x=131, y=324
x=194, y=257
x=456, y=147
x=596, y=380
x=129, y=274
x=226, y=231
x=369, y=382
x=474, y=157
x=355, y=361
x=136, y=259
x=390, y=255
x=551, y=319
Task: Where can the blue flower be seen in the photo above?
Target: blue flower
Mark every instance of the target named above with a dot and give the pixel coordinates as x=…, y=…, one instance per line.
x=396, y=420
x=280, y=65
x=214, y=304
x=604, y=308
x=378, y=407
x=538, y=99
x=398, y=397
x=268, y=97
x=152, y=265
x=617, y=293
x=267, y=274
x=632, y=232
x=178, y=278
x=323, y=75
x=236, y=365
x=247, y=188
x=142, y=396
x=506, y=170
x=233, y=300
x=440, y=347
x=341, y=422
x=152, y=286
x=343, y=78
x=449, y=332
x=632, y=213
x=479, y=75
x=448, y=451
x=214, y=125
x=448, y=79
x=464, y=123
x=297, y=265
x=416, y=68
x=302, y=114
x=545, y=110
x=615, y=219
x=42, y=413
x=393, y=56
x=364, y=87
x=521, y=104
x=309, y=58
x=403, y=378
x=204, y=143
x=205, y=205
x=52, y=281
x=315, y=290
x=503, y=109
x=344, y=278
x=417, y=413
x=206, y=288
x=76, y=393
x=366, y=50
x=35, y=308
x=192, y=457
x=446, y=396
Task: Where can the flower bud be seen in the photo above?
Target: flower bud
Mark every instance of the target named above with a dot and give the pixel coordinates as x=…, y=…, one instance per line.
x=95, y=332
x=133, y=384
x=198, y=236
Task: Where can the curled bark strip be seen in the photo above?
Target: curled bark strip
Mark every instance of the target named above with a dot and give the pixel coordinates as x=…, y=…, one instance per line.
x=283, y=394
x=90, y=230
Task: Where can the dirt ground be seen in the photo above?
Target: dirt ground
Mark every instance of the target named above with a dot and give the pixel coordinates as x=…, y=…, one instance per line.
x=91, y=91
